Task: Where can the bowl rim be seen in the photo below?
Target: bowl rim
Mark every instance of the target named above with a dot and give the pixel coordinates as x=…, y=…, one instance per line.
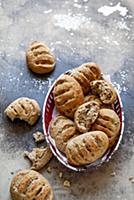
x=103, y=158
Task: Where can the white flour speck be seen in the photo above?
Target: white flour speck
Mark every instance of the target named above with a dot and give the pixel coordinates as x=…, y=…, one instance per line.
x=66, y=2
x=116, y=43
x=47, y=11
x=76, y=5
x=52, y=49
x=50, y=80
x=71, y=34
x=108, y=10
x=58, y=42
x=106, y=38
x=86, y=8
x=117, y=86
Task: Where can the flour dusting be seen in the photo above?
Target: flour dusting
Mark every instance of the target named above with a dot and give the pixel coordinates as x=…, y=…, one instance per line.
x=108, y=10
x=70, y=22
x=123, y=26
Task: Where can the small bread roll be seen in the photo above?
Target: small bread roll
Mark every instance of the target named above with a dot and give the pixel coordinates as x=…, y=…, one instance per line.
x=85, y=115
x=24, y=109
x=86, y=73
x=105, y=91
x=108, y=122
x=39, y=58
x=86, y=148
x=68, y=95
x=61, y=130
x=30, y=185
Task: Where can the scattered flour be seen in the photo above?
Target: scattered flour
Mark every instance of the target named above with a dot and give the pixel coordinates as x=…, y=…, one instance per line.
x=108, y=10
x=123, y=26
x=70, y=22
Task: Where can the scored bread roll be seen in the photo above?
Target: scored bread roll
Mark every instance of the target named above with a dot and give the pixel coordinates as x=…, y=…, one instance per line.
x=86, y=73
x=86, y=148
x=68, y=95
x=39, y=58
x=108, y=122
x=61, y=130
x=24, y=109
x=30, y=185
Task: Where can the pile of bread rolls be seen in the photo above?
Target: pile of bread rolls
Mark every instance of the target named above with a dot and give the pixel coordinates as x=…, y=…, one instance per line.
x=86, y=124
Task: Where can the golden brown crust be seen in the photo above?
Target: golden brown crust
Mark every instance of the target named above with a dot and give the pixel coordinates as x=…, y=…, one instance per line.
x=68, y=95
x=85, y=116
x=24, y=109
x=39, y=157
x=92, y=97
x=108, y=122
x=86, y=73
x=87, y=148
x=61, y=130
x=105, y=91
x=39, y=58
x=29, y=185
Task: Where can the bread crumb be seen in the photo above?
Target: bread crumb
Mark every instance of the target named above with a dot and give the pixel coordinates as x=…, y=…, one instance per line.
x=113, y=174
x=67, y=183
x=38, y=136
x=60, y=174
x=131, y=178
x=49, y=170
x=39, y=157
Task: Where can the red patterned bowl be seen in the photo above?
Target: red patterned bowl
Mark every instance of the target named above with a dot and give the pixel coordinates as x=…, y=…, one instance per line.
x=49, y=112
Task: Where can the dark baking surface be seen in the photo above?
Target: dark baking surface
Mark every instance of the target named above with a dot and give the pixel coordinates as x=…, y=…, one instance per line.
x=76, y=31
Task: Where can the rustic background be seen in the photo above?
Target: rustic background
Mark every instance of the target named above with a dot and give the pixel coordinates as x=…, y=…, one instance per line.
x=77, y=31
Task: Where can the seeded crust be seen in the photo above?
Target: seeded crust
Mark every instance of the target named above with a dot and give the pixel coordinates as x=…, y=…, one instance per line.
x=30, y=185
x=108, y=122
x=105, y=90
x=24, y=109
x=39, y=157
x=96, y=98
x=39, y=58
x=61, y=130
x=86, y=115
x=68, y=95
x=86, y=148
x=86, y=73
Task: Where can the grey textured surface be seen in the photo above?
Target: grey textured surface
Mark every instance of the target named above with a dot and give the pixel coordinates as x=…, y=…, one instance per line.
x=76, y=31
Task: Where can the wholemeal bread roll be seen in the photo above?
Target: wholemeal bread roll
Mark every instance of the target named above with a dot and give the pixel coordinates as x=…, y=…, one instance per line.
x=68, y=95
x=86, y=73
x=61, y=130
x=39, y=58
x=105, y=91
x=85, y=116
x=108, y=122
x=86, y=148
x=30, y=185
x=24, y=109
